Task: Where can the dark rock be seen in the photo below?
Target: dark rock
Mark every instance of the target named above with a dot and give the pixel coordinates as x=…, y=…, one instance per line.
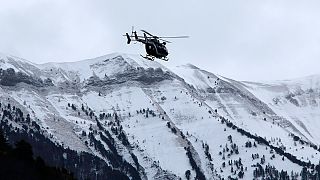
x=9, y=77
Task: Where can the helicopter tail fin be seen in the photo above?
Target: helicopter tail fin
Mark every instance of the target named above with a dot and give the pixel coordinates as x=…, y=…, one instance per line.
x=128, y=38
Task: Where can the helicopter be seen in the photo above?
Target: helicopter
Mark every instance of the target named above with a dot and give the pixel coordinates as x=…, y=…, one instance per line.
x=155, y=46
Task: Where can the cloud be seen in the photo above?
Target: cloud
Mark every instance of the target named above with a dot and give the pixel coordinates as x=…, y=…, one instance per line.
x=246, y=40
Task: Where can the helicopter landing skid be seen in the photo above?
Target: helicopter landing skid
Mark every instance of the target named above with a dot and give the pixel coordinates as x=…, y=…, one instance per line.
x=152, y=58
x=165, y=59
x=148, y=57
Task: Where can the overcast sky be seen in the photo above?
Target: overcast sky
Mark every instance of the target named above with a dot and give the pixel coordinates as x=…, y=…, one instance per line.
x=240, y=39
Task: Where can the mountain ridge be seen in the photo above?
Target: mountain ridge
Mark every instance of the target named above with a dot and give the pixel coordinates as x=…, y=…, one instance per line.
x=134, y=56
x=161, y=121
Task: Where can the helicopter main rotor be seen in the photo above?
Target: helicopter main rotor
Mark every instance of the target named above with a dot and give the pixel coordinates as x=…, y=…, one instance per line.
x=162, y=37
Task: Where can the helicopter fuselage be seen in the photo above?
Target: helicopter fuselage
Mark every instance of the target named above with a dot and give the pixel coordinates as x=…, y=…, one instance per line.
x=155, y=48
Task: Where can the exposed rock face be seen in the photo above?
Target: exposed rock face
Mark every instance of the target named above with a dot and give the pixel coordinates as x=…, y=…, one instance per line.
x=48, y=82
x=144, y=76
x=9, y=77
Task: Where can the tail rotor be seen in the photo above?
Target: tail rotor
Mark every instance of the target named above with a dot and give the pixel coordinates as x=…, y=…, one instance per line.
x=128, y=38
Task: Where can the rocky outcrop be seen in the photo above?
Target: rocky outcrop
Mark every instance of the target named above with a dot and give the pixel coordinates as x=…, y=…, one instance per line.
x=144, y=76
x=9, y=77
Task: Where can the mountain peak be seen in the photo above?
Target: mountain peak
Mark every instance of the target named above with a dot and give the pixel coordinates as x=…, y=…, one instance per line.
x=121, y=105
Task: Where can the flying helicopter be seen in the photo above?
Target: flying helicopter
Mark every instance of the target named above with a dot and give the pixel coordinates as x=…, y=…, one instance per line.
x=155, y=46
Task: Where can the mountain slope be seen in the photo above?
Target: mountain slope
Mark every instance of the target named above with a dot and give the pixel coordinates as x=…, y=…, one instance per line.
x=151, y=122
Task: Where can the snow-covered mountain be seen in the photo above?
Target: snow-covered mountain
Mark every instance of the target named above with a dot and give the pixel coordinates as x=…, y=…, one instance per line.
x=147, y=121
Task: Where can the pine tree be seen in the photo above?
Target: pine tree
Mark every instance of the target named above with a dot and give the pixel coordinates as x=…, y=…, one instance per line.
x=188, y=174
x=23, y=151
x=304, y=173
x=4, y=146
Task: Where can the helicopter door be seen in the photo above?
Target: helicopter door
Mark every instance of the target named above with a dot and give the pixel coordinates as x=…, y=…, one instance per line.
x=151, y=49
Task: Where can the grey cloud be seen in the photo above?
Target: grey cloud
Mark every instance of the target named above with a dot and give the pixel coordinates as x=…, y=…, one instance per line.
x=245, y=40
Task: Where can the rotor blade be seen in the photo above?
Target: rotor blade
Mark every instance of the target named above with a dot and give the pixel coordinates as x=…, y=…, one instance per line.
x=165, y=41
x=133, y=36
x=164, y=36
x=146, y=32
x=174, y=37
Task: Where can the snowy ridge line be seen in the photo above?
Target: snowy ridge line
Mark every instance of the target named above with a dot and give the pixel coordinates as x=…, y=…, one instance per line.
x=296, y=100
x=185, y=142
x=33, y=134
x=291, y=157
x=139, y=168
x=126, y=150
x=116, y=148
x=119, y=163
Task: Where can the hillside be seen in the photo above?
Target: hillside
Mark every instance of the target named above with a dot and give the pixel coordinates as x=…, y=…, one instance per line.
x=139, y=119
